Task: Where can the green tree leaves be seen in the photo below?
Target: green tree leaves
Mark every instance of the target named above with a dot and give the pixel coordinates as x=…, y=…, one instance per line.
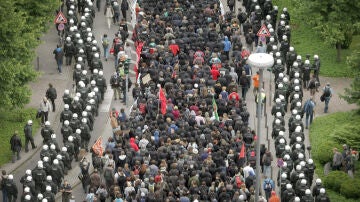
x=352, y=94
x=22, y=23
x=335, y=20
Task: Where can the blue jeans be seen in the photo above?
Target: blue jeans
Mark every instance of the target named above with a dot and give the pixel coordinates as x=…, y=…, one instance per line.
x=106, y=52
x=243, y=92
x=4, y=195
x=327, y=100
x=59, y=64
x=309, y=115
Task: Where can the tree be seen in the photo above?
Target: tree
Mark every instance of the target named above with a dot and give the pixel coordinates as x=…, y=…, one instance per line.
x=352, y=94
x=18, y=39
x=335, y=20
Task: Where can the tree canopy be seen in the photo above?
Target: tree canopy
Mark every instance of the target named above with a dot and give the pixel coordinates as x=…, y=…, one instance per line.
x=352, y=94
x=19, y=39
x=335, y=20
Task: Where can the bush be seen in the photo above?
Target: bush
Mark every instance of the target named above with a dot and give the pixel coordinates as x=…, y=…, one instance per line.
x=335, y=179
x=323, y=151
x=350, y=189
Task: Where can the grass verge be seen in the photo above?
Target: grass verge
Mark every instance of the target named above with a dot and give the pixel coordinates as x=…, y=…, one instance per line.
x=322, y=138
x=14, y=120
x=306, y=41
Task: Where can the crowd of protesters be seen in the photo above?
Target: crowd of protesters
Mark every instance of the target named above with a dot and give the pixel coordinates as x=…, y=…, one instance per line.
x=187, y=137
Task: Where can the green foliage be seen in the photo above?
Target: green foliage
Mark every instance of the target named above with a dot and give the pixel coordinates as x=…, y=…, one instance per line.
x=22, y=23
x=334, y=19
x=352, y=94
x=10, y=121
x=335, y=179
x=306, y=40
x=344, y=128
x=350, y=189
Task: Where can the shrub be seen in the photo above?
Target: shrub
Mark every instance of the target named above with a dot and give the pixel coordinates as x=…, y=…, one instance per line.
x=323, y=151
x=335, y=179
x=350, y=189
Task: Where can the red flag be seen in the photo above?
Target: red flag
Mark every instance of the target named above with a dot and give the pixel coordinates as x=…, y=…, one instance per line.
x=97, y=147
x=242, y=151
x=162, y=99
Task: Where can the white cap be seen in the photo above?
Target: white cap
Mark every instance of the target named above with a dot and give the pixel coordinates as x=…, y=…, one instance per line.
x=59, y=157
x=281, y=133
x=26, y=189
x=29, y=178
x=84, y=113
x=48, y=188
x=286, y=156
x=52, y=147
x=64, y=149
x=298, y=129
x=56, y=162
x=297, y=117
x=96, y=55
x=298, y=139
x=280, y=85
x=297, y=199
x=45, y=147
x=29, y=122
x=278, y=114
x=307, y=62
x=66, y=106
x=277, y=100
x=27, y=197
x=75, y=114
x=84, y=120
x=101, y=73
x=53, y=136
x=88, y=107
x=298, y=167
x=318, y=181
x=285, y=79
x=322, y=191
x=84, y=72
x=291, y=48
x=281, y=75
x=287, y=147
x=28, y=172
x=40, y=196
x=46, y=159
x=241, y=197
x=296, y=96
x=282, y=141
x=316, y=57
x=302, y=163
x=10, y=177
x=277, y=121
x=288, y=186
x=301, y=175
x=295, y=64
x=277, y=54
x=96, y=71
x=78, y=66
x=47, y=123
x=303, y=181
x=307, y=192
x=78, y=131
x=283, y=176
x=297, y=88
x=310, y=161
x=70, y=138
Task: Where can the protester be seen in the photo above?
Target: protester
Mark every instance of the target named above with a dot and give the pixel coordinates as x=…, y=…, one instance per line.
x=16, y=145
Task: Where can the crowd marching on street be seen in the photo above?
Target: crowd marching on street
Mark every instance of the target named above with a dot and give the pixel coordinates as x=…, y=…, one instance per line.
x=187, y=135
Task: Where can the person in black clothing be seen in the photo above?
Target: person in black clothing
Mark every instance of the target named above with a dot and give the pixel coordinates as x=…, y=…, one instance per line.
x=52, y=95
x=29, y=136
x=16, y=145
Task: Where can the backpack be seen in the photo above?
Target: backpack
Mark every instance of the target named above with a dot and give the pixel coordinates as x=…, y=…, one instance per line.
x=268, y=186
x=238, y=181
x=102, y=196
x=105, y=42
x=267, y=161
x=327, y=92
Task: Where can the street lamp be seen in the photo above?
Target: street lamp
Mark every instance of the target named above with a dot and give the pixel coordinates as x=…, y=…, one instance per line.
x=261, y=61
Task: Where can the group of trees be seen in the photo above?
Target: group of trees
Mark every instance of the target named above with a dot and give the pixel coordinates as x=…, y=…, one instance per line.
x=336, y=21
x=22, y=24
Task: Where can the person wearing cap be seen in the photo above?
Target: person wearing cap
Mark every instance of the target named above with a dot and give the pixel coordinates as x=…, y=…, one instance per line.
x=309, y=111
x=11, y=189
x=15, y=145
x=327, y=94
x=44, y=109
x=29, y=136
